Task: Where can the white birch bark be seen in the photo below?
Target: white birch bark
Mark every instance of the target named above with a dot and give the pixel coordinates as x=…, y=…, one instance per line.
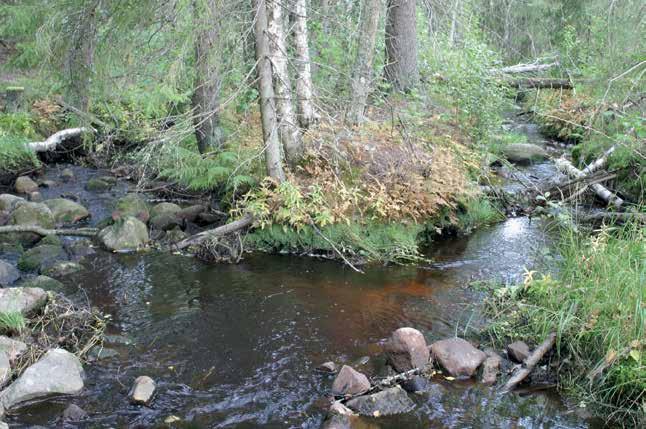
x=306, y=113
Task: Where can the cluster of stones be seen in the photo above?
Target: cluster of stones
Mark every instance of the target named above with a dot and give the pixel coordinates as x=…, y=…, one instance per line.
x=407, y=351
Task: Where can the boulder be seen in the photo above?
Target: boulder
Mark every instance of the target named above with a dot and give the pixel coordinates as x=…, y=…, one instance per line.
x=12, y=348
x=205, y=219
x=25, y=185
x=98, y=184
x=8, y=274
x=175, y=235
x=58, y=372
x=29, y=213
x=457, y=356
x=74, y=413
x=22, y=300
x=8, y=202
x=79, y=249
x=165, y=222
x=164, y=208
x=45, y=283
x=350, y=382
x=5, y=369
x=41, y=258
x=190, y=214
x=327, y=367
x=339, y=417
x=142, y=390
x=518, y=351
x=67, y=175
x=131, y=206
x=491, y=368
x=387, y=402
x=125, y=235
x=524, y=153
x=63, y=268
x=66, y=211
x=407, y=349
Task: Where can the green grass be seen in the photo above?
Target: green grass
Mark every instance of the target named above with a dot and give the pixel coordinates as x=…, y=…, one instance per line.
x=597, y=307
x=13, y=322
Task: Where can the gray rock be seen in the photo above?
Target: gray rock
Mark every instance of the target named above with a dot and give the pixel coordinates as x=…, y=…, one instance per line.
x=22, y=300
x=387, y=402
x=35, y=197
x=8, y=202
x=327, y=367
x=350, y=382
x=524, y=153
x=8, y=274
x=5, y=369
x=28, y=213
x=125, y=235
x=164, y=208
x=165, y=222
x=66, y=211
x=25, y=185
x=518, y=351
x=45, y=283
x=74, y=413
x=63, y=268
x=191, y=213
x=97, y=184
x=79, y=249
x=12, y=348
x=490, y=369
x=457, y=356
x=59, y=372
x=142, y=391
x=415, y=384
x=41, y=258
x=339, y=417
x=131, y=206
x=407, y=349
x=101, y=353
x=67, y=175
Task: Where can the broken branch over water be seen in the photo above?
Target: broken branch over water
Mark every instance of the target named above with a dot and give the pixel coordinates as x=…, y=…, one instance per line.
x=530, y=363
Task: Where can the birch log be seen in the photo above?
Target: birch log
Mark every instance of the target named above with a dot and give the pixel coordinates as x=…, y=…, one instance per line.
x=527, y=68
x=53, y=141
x=602, y=192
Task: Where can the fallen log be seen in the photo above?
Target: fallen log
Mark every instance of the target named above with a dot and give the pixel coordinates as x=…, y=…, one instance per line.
x=621, y=217
x=566, y=166
x=55, y=139
x=540, y=83
x=80, y=232
x=220, y=231
x=530, y=363
x=526, y=68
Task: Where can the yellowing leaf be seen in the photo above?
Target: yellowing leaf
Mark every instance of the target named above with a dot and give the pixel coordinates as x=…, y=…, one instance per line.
x=635, y=354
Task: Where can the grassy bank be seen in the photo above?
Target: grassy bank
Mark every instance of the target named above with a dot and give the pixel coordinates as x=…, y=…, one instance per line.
x=596, y=303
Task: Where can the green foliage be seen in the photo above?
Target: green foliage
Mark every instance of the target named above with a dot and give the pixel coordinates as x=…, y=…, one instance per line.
x=477, y=212
x=12, y=323
x=596, y=305
x=16, y=129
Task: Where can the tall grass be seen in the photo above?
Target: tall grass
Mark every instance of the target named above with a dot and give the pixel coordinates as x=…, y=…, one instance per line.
x=597, y=306
x=12, y=322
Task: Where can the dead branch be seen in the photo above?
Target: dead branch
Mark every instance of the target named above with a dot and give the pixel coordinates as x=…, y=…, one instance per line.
x=527, y=68
x=530, y=363
x=220, y=231
x=80, y=232
x=54, y=140
x=566, y=166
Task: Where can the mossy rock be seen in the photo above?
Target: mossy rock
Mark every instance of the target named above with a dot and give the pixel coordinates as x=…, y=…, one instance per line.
x=131, y=206
x=41, y=258
x=66, y=211
x=27, y=213
x=8, y=202
x=63, y=268
x=524, y=153
x=98, y=184
x=125, y=235
x=51, y=239
x=45, y=283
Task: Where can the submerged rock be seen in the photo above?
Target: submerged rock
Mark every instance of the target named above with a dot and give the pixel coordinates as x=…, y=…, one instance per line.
x=491, y=368
x=142, y=391
x=518, y=351
x=457, y=356
x=100, y=353
x=5, y=369
x=126, y=235
x=67, y=175
x=25, y=185
x=79, y=249
x=406, y=349
x=131, y=206
x=63, y=268
x=12, y=348
x=66, y=211
x=22, y=300
x=415, y=384
x=339, y=417
x=41, y=258
x=8, y=274
x=98, y=184
x=524, y=153
x=58, y=372
x=350, y=382
x=74, y=413
x=387, y=402
x=8, y=201
x=45, y=283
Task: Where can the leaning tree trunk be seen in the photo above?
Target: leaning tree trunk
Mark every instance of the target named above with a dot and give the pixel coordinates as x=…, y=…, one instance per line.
x=304, y=87
x=362, y=74
x=79, y=61
x=401, y=44
x=205, y=100
x=273, y=156
x=289, y=132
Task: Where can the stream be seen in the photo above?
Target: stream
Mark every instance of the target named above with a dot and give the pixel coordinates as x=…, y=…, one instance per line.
x=237, y=345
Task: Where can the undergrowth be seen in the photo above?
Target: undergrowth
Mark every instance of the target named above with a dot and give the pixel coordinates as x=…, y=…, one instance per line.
x=596, y=304
x=12, y=323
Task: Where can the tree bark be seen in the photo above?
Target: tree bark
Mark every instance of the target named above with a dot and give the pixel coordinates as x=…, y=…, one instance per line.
x=527, y=68
x=287, y=123
x=306, y=113
x=401, y=44
x=602, y=192
x=362, y=74
x=220, y=231
x=79, y=62
x=206, y=94
x=273, y=156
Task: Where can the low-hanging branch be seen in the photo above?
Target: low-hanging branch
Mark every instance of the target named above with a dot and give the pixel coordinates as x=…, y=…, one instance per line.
x=80, y=232
x=55, y=139
x=530, y=363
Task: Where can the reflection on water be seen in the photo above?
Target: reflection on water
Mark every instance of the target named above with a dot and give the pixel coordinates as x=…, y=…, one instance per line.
x=236, y=345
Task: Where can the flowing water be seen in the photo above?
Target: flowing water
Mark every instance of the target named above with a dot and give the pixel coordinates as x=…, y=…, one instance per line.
x=236, y=345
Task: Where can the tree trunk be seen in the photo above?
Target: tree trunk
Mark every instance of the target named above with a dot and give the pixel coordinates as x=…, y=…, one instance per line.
x=205, y=100
x=287, y=124
x=273, y=156
x=401, y=44
x=79, y=63
x=306, y=115
x=362, y=74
